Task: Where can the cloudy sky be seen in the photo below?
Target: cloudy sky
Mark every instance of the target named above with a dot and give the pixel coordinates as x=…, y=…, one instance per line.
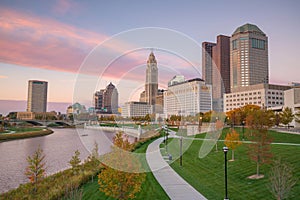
x=52, y=41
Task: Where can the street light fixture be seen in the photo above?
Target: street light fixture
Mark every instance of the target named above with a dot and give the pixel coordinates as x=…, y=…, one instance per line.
x=200, y=124
x=243, y=125
x=225, y=150
x=166, y=141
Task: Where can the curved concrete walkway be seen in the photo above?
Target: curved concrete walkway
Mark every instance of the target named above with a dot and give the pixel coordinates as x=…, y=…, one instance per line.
x=175, y=186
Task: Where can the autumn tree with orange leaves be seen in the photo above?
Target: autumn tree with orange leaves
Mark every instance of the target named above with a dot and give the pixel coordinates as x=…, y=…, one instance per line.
x=232, y=141
x=120, y=177
x=259, y=121
x=35, y=171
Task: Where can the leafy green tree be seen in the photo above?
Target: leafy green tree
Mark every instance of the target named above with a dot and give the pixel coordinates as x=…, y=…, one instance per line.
x=94, y=158
x=287, y=116
x=75, y=161
x=35, y=171
x=125, y=182
x=281, y=179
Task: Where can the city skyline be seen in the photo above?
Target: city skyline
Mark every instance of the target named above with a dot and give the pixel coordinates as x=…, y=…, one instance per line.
x=56, y=54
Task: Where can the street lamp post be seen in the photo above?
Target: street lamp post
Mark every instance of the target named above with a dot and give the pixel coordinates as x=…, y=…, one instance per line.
x=166, y=141
x=180, y=151
x=225, y=150
x=200, y=124
x=243, y=126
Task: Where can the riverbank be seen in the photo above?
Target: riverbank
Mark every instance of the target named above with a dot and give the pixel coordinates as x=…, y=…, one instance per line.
x=65, y=184
x=22, y=135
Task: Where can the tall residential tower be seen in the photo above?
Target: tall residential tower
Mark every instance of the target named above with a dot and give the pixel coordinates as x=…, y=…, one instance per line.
x=37, y=96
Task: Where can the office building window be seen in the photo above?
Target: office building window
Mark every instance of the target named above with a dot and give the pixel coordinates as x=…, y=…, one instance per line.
x=234, y=44
x=257, y=43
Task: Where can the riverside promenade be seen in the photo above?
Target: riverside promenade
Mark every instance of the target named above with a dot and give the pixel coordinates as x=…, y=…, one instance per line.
x=175, y=186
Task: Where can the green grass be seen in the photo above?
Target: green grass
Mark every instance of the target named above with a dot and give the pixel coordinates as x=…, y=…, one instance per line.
x=150, y=188
x=207, y=174
x=25, y=134
x=23, y=129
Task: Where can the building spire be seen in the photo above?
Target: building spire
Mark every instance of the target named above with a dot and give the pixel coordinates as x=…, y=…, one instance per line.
x=151, y=58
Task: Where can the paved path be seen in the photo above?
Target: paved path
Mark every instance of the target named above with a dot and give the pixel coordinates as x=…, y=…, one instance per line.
x=175, y=187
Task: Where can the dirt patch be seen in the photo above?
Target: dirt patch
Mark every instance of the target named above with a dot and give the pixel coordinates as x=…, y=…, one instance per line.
x=255, y=176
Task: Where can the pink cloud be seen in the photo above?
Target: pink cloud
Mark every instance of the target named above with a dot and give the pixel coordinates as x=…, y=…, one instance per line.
x=1, y=76
x=64, y=6
x=32, y=41
x=43, y=43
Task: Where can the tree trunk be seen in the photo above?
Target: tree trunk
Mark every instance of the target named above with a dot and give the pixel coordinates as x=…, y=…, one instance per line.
x=232, y=155
x=257, y=169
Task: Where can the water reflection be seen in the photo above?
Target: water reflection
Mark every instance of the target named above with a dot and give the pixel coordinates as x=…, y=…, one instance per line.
x=58, y=148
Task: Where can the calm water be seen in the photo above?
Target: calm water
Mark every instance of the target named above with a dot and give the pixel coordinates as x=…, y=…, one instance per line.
x=58, y=148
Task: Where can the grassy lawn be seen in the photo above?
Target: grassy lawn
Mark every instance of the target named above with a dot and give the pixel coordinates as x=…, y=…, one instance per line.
x=150, y=188
x=23, y=129
x=207, y=174
x=25, y=133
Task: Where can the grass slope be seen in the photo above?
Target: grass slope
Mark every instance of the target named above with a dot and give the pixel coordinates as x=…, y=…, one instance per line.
x=207, y=174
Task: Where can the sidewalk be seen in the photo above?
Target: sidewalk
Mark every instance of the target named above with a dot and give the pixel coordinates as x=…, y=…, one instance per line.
x=175, y=187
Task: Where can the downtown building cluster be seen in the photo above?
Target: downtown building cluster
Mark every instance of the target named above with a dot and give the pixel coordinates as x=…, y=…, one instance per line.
x=182, y=97
x=237, y=68
x=235, y=73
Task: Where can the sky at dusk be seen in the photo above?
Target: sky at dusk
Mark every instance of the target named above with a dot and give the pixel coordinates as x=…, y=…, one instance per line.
x=51, y=41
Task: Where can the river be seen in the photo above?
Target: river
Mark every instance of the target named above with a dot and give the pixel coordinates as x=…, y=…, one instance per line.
x=58, y=149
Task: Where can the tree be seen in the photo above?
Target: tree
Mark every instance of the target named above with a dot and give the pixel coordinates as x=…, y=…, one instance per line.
x=35, y=171
x=123, y=181
x=94, y=158
x=277, y=118
x=281, y=179
x=218, y=130
x=147, y=118
x=75, y=161
x=297, y=116
x=260, y=148
x=232, y=141
x=287, y=116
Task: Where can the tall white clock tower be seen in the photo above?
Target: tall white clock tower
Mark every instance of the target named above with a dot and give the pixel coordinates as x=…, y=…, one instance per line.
x=151, y=85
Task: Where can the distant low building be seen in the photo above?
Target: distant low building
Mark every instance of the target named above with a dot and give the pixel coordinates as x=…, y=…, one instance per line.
x=187, y=98
x=136, y=109
x=37, y=115
x=263, y=95
x=76, y=108
x=292, y=100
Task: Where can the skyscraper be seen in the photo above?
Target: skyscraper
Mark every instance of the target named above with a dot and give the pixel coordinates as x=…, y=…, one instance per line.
x=37, y=96
x=221, y=71
x=248, y=57
x=151, y=85
x=98, y=100
x=207, y=62
x=216, y=68
x=110, y=99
